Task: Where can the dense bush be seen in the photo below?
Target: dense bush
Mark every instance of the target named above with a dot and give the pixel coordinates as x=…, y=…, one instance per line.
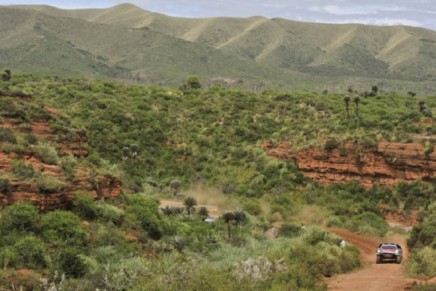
x=20, y=216
x=109, y=213
x=30, y=253
x=47, y=154
x=71, y=263
x=145, y=212
x=21, y=170
x=5, y=186
x=84, y=206
x=7, y=135
x=422, y=243
x=63, y=228
x=49, y=184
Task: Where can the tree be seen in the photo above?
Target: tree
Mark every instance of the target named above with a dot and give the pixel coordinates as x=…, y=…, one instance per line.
x=228, y=218
x=134, y=149
x=72, y=264
x=191, y=83
x=203, y=212
x=126, y=152
x=347, y=103
x=357, y=100
x=422, y=106
x=190, y=203
x=6, y=76
x=240, y=217
x=175, y=186
x=374, y=89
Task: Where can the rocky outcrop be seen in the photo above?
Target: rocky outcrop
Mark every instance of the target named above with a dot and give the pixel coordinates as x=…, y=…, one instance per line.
x=106, y=186
x=387, y=164
x=69, y=141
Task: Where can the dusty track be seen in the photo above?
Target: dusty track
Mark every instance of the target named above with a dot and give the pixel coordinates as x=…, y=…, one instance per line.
x=372, y=276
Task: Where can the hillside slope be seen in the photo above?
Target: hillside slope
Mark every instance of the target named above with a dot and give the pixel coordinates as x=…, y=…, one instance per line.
x=127, y=42
x=42, y=157
x=37, y=42
x=322, y=49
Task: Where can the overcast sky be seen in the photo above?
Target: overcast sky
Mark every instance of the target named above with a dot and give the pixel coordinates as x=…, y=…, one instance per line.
x=378, y=12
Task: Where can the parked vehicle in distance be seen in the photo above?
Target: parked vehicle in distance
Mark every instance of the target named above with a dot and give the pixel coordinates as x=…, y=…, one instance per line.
x=389, y=252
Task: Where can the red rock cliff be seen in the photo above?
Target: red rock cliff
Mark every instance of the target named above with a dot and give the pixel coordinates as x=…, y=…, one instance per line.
x=388, y=164
x=75, y=144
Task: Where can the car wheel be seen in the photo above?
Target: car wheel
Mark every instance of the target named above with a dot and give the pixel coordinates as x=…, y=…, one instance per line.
x=398, y=260
x=378, y=260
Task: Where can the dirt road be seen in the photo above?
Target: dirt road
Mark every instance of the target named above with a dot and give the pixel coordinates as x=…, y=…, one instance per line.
x=372, y=277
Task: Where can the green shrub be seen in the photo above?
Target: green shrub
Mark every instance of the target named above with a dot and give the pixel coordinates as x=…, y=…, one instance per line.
x=368, y=223
x=331, y=144
x=84, y=205
x=423, y=286
x=47, y=154
x=49, y=184
x=422, y=262
x=423, y=234
x=21, y=170
x=289, y=230
x=30, y=251
x=8, y=257
x=31, y=139
x=252, y=206
x=68, y=164
x=5, y=186
x=109, y=213
x=7, y=135
x=21, y=216
x=72, y=263
x=63, y=227
x=146, y=212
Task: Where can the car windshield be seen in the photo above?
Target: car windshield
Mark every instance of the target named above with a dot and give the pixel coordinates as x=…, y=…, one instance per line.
x=389, y=248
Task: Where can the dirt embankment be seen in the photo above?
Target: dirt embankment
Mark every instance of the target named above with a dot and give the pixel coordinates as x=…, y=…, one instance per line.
x=374, y=277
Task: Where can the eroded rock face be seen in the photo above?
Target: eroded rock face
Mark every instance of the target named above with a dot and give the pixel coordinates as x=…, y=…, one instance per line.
x=73, y=142
x=97, y=186
x=390, y=163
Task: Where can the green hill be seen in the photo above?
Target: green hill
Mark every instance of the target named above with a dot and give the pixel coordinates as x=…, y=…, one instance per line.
x=176, y=144
x=127, y=42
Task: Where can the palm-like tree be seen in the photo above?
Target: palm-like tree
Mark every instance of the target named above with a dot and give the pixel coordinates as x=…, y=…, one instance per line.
x=357, y=100
x=228, y=217
x=6, y=76
x=175, y=186
x=422, y=106
x=190, y=203
x=240, y=216
x=347, y=103
x=203, y=212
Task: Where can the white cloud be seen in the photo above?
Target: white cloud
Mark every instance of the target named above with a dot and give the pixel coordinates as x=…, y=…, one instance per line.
x=366, y=9
x=376, y=21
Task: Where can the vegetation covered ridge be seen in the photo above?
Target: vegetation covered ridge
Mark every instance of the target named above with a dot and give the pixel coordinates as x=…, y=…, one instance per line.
x=175, y=143
x=126, y=42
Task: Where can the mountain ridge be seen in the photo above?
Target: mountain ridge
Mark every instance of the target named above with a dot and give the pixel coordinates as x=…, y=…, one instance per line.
x=282, y=49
